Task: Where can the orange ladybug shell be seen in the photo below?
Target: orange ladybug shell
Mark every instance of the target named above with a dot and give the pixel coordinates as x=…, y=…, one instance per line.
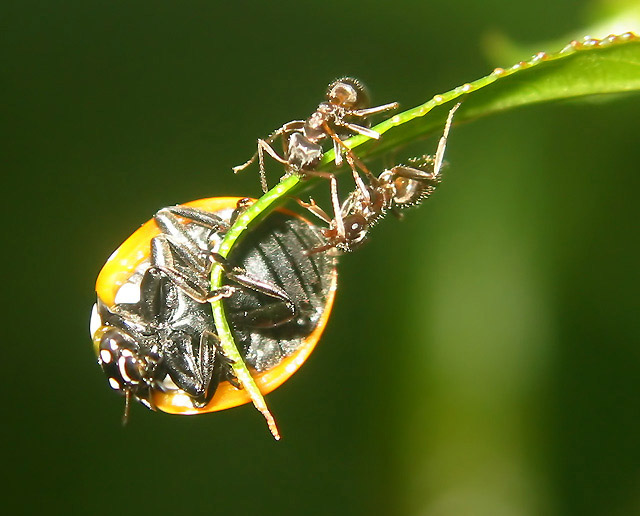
x=122, y=264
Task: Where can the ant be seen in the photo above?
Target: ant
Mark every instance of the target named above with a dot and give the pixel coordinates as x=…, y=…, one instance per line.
x=395, y=189
x=346, y=101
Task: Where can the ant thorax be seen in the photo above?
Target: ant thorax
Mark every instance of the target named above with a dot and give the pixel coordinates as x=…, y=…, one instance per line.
x=313, y=128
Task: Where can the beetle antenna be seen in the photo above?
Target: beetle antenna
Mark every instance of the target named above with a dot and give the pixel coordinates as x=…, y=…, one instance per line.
x=127, y=403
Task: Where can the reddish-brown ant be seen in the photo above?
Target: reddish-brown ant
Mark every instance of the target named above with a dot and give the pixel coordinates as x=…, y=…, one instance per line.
x=334, y=118
x=393, y=190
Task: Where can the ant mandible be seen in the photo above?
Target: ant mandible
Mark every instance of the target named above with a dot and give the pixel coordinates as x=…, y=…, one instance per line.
x=346, y=101
x=394, y=189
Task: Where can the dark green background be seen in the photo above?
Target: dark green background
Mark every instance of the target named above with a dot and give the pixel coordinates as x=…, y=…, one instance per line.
x=483, y=355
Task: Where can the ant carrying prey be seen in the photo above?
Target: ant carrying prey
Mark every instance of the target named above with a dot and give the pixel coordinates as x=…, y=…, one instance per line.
x=394, y=189
x=334, y=118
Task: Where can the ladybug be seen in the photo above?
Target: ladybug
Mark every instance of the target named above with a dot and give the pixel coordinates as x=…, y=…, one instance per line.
x=152, y=325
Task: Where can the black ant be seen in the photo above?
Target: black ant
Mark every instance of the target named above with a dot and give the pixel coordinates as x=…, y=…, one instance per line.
x=394, y=189
x=334, y=118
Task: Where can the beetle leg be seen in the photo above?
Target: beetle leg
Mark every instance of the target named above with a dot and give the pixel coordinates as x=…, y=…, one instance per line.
x=270, y=289
x=199, y=293
x=272, y=315
x=191, y=369
x=168, y=252
x=156, y=302
x=240, y=276
x=175, y=232
x=195, y=286
x=177, y=261
x=225, y=365
x=204, y=218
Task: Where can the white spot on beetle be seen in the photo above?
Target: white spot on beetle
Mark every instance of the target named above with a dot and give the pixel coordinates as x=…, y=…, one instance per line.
x=114, y=384
x=105, y=356
x=122, y=366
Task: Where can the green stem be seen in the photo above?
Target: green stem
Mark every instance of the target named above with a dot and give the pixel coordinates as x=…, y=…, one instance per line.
x=227, y=342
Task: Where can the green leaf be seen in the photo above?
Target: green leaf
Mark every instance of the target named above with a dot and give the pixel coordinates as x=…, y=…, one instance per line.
x=587, y=68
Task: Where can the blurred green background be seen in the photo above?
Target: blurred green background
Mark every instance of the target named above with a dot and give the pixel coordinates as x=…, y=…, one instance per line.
x=483, y=355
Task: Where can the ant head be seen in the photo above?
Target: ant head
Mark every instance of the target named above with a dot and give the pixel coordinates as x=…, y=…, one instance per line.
x=348, y=93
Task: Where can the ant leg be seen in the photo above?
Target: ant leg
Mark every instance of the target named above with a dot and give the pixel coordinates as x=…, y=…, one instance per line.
x=414, y=173
x=374, y=110
x=263, y=146
x=289, y=127
x=366, y=195
x=319, y=249
x=363, y=113
x=337, y=211
x=315, y=209
x=335, y=201
x=338, y=220
x=352, y=159
x=364, y=131
x=435, y=163
x=337, y=150
x=286, y=128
